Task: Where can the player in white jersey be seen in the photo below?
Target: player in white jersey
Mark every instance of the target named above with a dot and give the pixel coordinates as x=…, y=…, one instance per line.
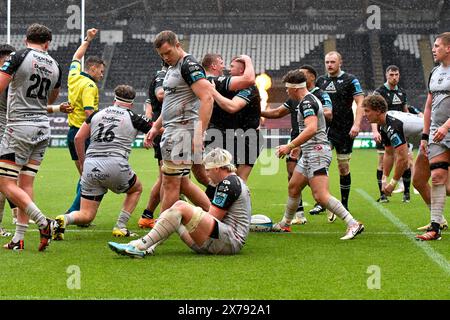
x=436, y=129
x=105, y=164
x=5, y=51
x=34, y=78
x=222, y=230
x=186, y=111
x=396, y=128
x=312, y=167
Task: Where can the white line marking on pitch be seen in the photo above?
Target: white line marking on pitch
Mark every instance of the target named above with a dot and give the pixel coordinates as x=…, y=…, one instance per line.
x=394, y=233
x=435, y=256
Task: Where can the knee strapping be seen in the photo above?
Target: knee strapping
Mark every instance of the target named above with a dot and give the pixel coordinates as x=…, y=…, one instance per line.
x=10, y=170
x=30, y=170
x=192, y=225
x=173, y=216
x=439, y=165
x=343, y=157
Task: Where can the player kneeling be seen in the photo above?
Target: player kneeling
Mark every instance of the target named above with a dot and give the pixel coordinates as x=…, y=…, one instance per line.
x=223, y=230
x=105, y=165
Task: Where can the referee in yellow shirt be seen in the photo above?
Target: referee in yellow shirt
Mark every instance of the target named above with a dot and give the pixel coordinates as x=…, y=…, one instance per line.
x=83, y=97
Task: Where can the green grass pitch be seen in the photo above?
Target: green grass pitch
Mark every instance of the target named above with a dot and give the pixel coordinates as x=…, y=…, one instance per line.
x=385, y=262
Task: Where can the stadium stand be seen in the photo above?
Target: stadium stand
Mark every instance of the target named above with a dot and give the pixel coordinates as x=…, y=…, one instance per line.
x=356, y=55
x=270, y=52
x=135, y=66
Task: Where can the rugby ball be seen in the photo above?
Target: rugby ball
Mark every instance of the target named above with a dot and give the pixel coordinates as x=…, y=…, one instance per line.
x=260, y=223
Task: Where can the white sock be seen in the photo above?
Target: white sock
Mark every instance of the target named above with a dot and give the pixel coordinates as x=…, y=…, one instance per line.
x=168, y=223
x=291, y=209
x=35, y=214
x=68, y=218
x=336, y=207
x=21, y=228
x=438, y=195
x=123, y=219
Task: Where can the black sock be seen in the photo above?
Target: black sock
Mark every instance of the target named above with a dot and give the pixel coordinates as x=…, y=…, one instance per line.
x=11, y=205
x=210, y=191
x=435, y=226
x=345, y=181
x=147, y=214
x=379, y=177
x=407, y=180
x=300, y=206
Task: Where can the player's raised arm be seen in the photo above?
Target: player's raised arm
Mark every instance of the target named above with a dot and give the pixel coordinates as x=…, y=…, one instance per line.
x=81, y=51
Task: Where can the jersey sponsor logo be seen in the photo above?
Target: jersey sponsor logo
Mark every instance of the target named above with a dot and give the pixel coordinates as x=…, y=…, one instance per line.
x=197, y=75
x=396, y=99
x=43, y=59
x=331, y=88
x=245, y=93
x=395, y=140
x=41, y=68
x=219, y=199
x=357, y=85
x=5, y=66
x=195, y=67
x=169, y=90
x=308, y=112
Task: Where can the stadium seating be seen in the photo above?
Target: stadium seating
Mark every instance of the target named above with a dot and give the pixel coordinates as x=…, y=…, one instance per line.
x=134, y=67
x=408, y=42
x=269, y=52
x=356, y=56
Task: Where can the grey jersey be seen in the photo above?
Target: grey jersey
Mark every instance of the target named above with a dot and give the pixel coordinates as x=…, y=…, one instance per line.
x=3, y=107
x=233, y=195
x=311, y=106
x=439, y=87
x=412, y=123
x=180, y=107
x=400, y=127
x=34, y=75
x=113, y=131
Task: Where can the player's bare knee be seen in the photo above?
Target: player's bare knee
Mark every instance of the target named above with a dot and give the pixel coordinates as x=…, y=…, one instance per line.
x=293, y=190
x=439, y=172
x=85, y=217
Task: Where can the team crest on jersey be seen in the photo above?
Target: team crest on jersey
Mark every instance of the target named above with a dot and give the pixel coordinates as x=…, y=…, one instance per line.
x=396, y=100
x=330, y=88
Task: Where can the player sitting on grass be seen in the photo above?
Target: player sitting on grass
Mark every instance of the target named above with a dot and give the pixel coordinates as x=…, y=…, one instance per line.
x=223, y=230
x=105, y=164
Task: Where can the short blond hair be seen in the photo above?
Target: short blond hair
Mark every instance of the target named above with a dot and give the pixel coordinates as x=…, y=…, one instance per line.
x=335, y=53
x=445, y=38
x=219, y=158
